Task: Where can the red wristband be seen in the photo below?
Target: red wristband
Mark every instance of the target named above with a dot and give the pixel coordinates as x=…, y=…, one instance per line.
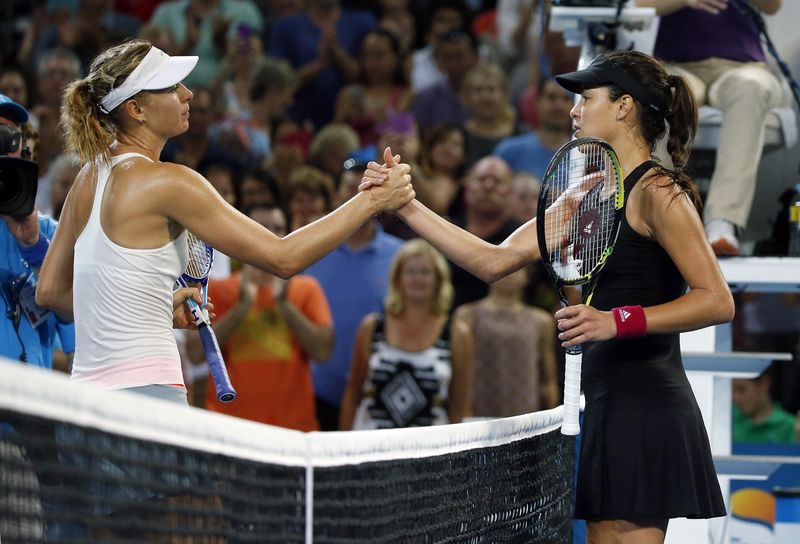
x=630, y=321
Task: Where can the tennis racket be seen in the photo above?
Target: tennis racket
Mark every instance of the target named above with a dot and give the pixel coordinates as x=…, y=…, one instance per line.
x=580, y=206
x=201, y=257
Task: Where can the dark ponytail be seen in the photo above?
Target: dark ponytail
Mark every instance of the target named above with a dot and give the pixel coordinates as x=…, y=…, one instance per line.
x=680, y=118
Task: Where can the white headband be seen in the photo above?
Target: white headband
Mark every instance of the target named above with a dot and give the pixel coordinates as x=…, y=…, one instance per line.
x=157, y=70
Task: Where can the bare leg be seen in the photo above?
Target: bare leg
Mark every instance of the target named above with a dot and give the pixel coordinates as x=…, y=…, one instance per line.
x=620, y=531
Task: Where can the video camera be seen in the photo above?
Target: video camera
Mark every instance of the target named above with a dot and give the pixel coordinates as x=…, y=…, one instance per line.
x=19, y=177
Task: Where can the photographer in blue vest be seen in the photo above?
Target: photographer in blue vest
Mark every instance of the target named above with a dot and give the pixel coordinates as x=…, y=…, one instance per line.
x=28, y=333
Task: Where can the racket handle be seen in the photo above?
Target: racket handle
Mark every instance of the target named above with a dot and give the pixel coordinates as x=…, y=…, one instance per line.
x=572, y=394
x=222, y=382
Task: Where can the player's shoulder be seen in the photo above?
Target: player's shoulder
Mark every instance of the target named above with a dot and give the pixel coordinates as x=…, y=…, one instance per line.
x=459, y=328
x=85, y=175
x=465, y=312
x=176, y=170
x=167, y=177
x=83, y=187
x=658, y=187
x=663, y=201
x=368, y=321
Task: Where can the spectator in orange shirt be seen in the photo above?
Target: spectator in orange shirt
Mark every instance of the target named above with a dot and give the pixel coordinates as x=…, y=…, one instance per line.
x=269, y=328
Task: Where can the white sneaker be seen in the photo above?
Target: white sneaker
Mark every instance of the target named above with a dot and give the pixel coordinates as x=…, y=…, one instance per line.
x=721, y=235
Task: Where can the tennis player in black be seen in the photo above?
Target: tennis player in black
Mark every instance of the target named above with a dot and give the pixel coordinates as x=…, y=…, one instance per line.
x=645, y=454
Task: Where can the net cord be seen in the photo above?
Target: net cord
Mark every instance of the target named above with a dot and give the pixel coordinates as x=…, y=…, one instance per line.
x=55, y=396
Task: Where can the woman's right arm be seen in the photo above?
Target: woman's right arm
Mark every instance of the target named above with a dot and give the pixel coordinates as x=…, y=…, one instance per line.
x=189, y=199
x=487, y=261
x=358, y=373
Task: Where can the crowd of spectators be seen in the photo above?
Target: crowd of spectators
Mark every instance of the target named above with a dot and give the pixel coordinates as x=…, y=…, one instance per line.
x=292, y=98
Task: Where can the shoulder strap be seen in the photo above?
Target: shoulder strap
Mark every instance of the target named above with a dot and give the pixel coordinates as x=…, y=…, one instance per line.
x=117, y=158
x=378, y=334
x=102, y=171
x=636, y=174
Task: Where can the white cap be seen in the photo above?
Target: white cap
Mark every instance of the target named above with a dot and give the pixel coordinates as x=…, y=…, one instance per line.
x=156, y=71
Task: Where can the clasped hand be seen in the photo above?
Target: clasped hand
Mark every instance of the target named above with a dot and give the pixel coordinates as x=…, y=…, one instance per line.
x=391, y=176
x=581, y=323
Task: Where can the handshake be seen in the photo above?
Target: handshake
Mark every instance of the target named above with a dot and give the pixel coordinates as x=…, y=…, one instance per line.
x=389, y=184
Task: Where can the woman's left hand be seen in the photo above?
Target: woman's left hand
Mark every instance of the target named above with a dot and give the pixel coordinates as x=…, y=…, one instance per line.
x=375, y=174
x=581, y=323
x=181, y=314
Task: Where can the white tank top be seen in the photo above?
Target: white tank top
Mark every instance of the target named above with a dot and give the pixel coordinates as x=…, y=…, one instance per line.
x=122, y=300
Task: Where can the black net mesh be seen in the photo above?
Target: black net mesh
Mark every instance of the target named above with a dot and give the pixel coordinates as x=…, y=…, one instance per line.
x=95, y=466
x=67, y=483
x=519, y=492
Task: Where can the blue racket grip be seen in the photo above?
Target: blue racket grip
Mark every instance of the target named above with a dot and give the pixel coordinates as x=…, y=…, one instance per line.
x=222, y=383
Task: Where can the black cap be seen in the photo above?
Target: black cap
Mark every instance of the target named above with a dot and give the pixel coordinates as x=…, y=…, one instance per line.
x=604, y=71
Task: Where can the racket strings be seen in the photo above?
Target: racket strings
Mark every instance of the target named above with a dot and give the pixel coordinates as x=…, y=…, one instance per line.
x=200, y=258
x=578, y=238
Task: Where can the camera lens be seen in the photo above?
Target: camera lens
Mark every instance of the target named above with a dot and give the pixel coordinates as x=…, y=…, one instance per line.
x=18, y=185
x=8, y=191
x=10, y=184
x=9, y=139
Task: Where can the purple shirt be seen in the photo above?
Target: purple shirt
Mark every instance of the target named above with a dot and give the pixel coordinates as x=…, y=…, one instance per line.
x=690, y=34
x=438, y=104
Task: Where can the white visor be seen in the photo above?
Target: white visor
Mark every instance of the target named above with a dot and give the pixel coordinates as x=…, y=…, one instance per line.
x=157, y=70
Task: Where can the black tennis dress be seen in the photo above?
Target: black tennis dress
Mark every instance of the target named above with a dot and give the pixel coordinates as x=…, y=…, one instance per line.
x=644, y=450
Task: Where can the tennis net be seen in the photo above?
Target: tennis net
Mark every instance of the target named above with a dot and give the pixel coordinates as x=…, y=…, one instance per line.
x=78, y=464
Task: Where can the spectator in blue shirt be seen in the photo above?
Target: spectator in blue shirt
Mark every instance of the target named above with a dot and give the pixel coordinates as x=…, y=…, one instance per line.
x=354, y=279
x=531, y=152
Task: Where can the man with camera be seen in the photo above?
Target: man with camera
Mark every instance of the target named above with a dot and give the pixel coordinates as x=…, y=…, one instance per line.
x=28, y=333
